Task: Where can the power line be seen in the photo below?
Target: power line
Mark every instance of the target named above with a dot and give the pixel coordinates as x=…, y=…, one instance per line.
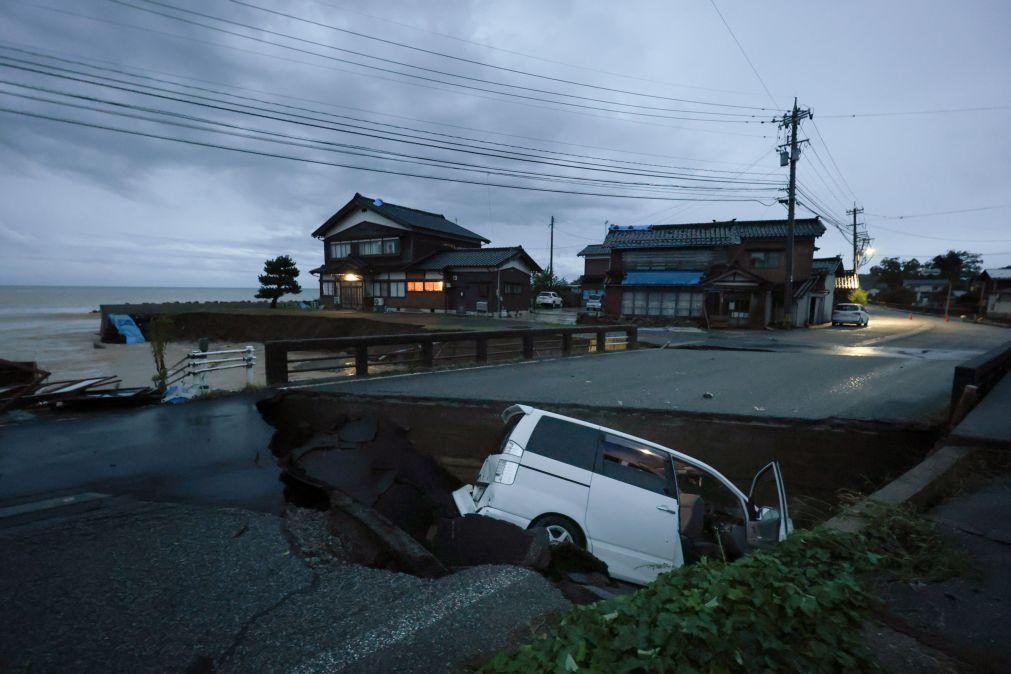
x=328, y=114
x=900, y=113
x=319, y=162
x=930, y=215
x=371, y=77
x=543, y=59
x=421, y=68
x=363, y=131
x=744, y=54
x=940, y=238
x=832, y=159
x=462, y=59
x=287, y=139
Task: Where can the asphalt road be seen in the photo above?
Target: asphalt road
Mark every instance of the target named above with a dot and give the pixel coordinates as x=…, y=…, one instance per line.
x=208, y=451
x=142, y=587
x=897, y=370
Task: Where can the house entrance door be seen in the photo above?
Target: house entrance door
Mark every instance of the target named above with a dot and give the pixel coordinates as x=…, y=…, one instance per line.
x=351, y=294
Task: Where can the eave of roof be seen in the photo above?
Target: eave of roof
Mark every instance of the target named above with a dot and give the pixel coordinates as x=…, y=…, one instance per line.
x=411, y=218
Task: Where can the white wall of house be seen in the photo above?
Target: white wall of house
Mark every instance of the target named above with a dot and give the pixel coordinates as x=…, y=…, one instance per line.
x=357, y=218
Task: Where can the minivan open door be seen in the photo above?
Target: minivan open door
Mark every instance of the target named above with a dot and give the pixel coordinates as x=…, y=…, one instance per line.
x=768, y=514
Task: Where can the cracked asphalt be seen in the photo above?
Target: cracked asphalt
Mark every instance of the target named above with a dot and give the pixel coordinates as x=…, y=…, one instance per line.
x=138, y=587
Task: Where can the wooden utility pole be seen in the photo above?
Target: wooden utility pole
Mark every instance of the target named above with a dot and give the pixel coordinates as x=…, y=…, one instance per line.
x=856, y=239
x=551, y=259
x=792, y=121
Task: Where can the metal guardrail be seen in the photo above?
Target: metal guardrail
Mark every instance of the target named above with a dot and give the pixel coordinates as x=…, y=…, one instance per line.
x=277, y=360
x=198, y=364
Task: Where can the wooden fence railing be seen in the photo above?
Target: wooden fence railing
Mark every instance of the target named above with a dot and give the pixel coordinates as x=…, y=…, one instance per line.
x=277, y=352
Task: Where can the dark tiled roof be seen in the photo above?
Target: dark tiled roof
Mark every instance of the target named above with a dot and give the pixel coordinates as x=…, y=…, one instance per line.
x=402, y=215
x=708, y=234
x=594, y=249
x=475, y=257
x=827, y=265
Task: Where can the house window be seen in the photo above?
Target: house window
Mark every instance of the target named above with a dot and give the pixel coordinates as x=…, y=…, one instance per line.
x=339, y=249
x=327, y=287
x=391, y=246
x=766, y=259
x=388, y=289
x=424, y=286
x=513, y=288
x=371, y=247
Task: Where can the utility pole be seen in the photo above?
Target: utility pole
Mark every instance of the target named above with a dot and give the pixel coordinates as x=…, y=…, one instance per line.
x=792, y=121
x=551, y=259
x=856, y=238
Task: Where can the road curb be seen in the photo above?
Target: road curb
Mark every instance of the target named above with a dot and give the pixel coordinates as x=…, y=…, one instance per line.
x=920, y=486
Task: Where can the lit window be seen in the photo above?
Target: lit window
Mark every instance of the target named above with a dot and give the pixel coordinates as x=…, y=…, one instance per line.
x=424, y=286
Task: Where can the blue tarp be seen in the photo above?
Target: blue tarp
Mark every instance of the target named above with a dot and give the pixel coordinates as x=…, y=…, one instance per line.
x=662, y=278
x=125, y=326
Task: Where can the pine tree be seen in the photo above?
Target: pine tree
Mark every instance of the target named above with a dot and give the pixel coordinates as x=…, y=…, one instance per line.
x=278, y=278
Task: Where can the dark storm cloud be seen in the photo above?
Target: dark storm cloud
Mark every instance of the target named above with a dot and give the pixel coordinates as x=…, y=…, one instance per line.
x=89, y=206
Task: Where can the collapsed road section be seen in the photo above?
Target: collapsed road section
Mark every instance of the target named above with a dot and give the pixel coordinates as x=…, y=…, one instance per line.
x=358, y=492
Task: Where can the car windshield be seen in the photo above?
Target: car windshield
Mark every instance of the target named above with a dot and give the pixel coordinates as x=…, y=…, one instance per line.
x=848, y=307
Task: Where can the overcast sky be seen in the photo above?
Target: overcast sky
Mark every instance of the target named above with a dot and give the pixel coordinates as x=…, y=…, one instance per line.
x=86, y=206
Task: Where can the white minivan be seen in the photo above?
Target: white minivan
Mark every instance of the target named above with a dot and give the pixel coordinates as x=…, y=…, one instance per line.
x=640, y=507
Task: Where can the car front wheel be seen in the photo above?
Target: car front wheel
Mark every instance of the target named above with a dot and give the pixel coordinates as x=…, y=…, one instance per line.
x=561, y=530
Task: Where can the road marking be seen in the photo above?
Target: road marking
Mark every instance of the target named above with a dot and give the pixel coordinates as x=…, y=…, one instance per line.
x=49, y=504
x=404, y=626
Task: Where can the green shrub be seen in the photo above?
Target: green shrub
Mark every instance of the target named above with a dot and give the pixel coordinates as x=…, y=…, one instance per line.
x=798, y=606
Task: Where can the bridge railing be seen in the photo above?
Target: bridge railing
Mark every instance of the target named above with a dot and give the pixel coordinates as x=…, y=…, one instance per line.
x=334, y=354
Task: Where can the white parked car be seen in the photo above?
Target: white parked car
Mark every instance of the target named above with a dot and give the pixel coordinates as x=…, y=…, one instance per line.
x=548, y=298
x=850, y=313
x=593, y=304
x=640, y=507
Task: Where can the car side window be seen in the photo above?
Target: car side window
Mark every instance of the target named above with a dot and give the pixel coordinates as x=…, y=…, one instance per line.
x=637, y=465
x=564, y=441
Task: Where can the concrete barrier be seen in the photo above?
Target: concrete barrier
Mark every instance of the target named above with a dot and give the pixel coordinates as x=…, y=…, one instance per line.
x=983, y=372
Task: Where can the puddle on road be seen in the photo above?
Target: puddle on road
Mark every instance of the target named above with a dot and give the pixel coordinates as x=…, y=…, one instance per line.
x=908, y=353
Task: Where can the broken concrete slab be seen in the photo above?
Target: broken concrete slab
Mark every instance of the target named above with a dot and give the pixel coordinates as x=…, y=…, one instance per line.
x=474, y=540
x=360, y=430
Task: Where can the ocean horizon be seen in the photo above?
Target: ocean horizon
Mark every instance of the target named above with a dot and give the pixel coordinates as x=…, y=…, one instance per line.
x=33, y=300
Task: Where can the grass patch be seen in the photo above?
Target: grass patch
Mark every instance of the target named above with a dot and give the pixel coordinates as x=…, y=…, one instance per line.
x=798, y=606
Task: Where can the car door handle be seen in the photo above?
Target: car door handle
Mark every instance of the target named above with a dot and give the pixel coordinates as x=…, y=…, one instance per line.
x=667, y=509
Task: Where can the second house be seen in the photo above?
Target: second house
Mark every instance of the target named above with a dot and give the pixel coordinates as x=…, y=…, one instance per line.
x=381, y=255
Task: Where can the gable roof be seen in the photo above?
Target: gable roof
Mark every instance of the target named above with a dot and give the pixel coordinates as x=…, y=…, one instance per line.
x=827, y=265
x=997, y=273
x=475, y=257
x=707, y=234
x=411, y=218
x=594, y=250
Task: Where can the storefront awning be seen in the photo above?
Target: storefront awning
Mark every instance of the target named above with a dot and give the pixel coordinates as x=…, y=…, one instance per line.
x=662, y=278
